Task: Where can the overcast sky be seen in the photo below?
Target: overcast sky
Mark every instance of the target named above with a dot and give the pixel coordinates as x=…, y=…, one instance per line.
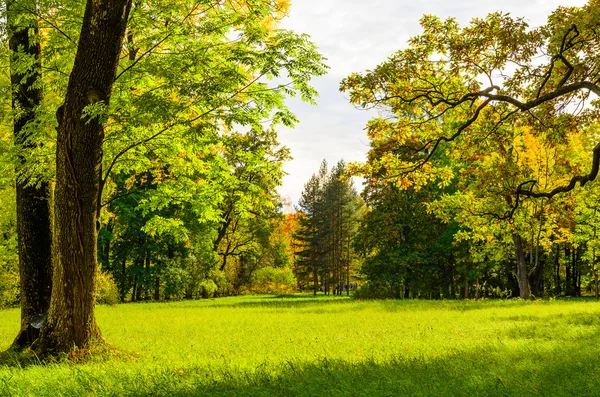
x=356, y=35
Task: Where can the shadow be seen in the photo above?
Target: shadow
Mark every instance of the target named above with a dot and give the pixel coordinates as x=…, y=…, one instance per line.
x=582, y=328
x=295, y=300
x=94, y=354
x=18, y=359
x=270, y=301
x=569, y=370
x=537, y=357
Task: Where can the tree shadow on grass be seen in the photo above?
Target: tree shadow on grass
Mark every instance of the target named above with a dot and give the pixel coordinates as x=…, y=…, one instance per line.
x=504, y=366
x=518, y=364
x=19, y=359
x=101, y=352
x=570, y=370
x=283, y=301
x=391, y=305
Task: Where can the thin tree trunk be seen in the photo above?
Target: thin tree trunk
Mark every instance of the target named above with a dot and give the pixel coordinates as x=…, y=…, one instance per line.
x=147, y=277
x=105, y=253
x=595, y=275
x=33, y=211
x=522, y=271
x=568, y=266
x=156, y=288
x=71, y=319
x=123, y=279
x=594, y=258
x=573, y=285
x=134, y=290
x=558, y=289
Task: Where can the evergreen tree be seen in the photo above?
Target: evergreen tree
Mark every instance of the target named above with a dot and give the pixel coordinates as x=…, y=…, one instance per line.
x=329, y=208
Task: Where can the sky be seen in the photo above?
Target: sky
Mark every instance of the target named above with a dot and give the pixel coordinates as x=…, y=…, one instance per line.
x=357, y=35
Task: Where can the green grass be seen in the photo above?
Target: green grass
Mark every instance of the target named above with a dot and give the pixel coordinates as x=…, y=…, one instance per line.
x=270, y=346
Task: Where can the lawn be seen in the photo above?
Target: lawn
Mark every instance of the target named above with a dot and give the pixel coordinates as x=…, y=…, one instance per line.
x=287, y=346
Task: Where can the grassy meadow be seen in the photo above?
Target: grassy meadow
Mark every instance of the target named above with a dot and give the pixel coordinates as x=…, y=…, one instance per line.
x=300, y=345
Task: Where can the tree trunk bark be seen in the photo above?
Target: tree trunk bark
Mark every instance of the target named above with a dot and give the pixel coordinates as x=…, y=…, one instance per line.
x=33, y=210
x=71, y=320
x=105, y=252
x=577, y=271
x=568, y=266
x=134, y=290
x=594, y=270
x=522, y=271
x=122, y=288
x=557, y=287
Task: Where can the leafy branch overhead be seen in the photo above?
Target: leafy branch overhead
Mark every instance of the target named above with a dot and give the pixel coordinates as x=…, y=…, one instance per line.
x=457, y=87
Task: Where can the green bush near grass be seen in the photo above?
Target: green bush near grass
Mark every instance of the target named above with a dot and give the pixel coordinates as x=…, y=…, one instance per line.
x=107, y=292
x=302, y=345
x=270, y=280
x=372, y=291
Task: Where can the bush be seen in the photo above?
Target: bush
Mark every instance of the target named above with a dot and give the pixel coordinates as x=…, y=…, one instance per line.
x=373, y=291
x=269, y=280
x=107, y=292
x=9, y=290
x=208, y=288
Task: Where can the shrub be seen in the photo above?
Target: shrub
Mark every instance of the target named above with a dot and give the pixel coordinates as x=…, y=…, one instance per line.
x=373, y=291
x=9, y=265
x=269, y=280
x=9, y=290
x=107, y=292
x=208, y=288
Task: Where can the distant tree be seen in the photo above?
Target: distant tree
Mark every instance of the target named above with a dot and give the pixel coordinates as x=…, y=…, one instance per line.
x=311, y=253
x=407, y=250
x=328, y=208
x=251, y=201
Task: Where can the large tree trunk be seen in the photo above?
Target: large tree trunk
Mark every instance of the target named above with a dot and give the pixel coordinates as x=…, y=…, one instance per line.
x=522, y=270
x=33, y=211
x=71, y=320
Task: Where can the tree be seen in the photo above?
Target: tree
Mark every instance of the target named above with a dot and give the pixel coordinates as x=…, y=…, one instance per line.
x=255, y=162
x=80, y=134
x=406, y=249
x=449, y=89
x=33, y=210
x=329, y=208
x=439, y=76
x=341, y=208
x=309, y=235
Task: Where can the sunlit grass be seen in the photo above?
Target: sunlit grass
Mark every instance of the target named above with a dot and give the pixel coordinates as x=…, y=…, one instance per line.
x=329, y=346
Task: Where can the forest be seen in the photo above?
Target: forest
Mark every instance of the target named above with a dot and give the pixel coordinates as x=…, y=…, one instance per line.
x=141, y=165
